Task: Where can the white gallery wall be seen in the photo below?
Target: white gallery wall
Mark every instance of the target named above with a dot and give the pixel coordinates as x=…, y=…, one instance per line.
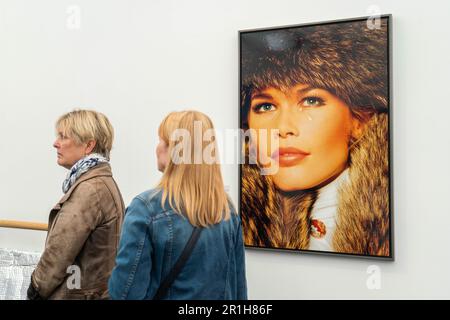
x=137, y=60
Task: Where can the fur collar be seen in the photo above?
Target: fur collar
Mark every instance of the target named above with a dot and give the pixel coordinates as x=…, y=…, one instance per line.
x=274, y=219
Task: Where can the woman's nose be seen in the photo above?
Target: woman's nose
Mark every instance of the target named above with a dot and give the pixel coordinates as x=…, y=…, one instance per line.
x=56, y=144
x=287, y=124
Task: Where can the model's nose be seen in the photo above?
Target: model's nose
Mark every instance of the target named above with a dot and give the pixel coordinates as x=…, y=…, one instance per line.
x=287, y=124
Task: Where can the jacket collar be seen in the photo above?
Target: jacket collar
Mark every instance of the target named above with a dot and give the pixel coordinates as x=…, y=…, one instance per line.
x=100, y=170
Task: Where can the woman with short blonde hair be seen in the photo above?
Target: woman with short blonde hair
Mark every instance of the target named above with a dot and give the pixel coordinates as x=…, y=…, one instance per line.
x=84, y=226
x=189, y=202
x=85, y=125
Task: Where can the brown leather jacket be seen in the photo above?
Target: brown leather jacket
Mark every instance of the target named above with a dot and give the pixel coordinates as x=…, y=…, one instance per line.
x=84, y=231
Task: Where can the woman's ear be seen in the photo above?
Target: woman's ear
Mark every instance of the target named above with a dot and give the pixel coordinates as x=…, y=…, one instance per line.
x=90, y=145
x=359, y=124
x=357, y=128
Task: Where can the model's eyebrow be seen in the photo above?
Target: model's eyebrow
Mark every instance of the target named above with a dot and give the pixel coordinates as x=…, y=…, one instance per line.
x=261, y=95
x=305, y=89
x=265, y=95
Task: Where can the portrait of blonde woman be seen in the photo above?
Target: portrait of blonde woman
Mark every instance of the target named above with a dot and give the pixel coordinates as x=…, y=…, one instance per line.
x=84, y=225
x=183, y=238
x=320, y=94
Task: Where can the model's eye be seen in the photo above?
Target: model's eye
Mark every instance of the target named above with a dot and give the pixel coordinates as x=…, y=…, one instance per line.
x=312, y=102
x=264, y=107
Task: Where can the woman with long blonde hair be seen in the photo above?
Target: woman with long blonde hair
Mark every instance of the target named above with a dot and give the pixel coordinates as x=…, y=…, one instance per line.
x=183, y=239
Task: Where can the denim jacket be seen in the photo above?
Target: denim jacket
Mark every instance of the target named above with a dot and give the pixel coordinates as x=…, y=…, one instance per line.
x=153, y=238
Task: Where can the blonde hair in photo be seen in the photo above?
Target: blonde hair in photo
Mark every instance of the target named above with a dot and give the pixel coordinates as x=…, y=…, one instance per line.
x=196, y=189
x=85, y=125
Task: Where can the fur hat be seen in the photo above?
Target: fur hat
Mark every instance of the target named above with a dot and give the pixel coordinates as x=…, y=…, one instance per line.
x=347, y=58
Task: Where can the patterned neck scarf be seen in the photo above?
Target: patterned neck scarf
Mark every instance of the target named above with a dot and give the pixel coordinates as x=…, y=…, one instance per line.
x=80, y=167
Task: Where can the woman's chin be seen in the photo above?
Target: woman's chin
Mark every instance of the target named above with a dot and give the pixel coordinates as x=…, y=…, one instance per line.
x=288, y=181
x=63, y=164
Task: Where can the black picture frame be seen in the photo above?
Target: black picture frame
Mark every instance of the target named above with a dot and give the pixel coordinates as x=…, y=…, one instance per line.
x=386, y=20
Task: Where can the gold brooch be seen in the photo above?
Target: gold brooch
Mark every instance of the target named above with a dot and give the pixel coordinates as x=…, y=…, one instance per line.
x=318, y=229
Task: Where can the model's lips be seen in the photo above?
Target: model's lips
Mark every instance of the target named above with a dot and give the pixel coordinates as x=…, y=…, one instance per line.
x=290, y=156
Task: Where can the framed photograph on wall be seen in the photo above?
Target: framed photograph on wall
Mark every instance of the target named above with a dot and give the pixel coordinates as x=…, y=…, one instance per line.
x=315, y=113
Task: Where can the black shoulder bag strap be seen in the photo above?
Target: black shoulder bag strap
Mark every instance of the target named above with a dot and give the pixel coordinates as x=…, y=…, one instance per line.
x=165, y=285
